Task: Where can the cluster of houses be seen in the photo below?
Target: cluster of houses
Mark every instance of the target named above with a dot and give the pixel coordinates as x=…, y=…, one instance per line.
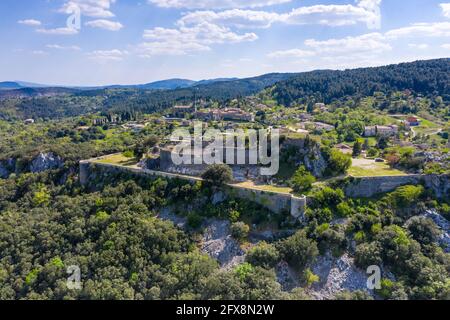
x=232, y=114
x=391, y=130
x=383, y=131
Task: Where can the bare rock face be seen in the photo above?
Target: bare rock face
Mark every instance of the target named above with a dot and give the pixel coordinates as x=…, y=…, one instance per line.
x=307, y=153
x=4, y=172
x=287, y=277
x=218, y=243
x=337, y=275
x=7, y=167
x=218, y=197
x=443, y=225
x=315, y=162
x=46, y=161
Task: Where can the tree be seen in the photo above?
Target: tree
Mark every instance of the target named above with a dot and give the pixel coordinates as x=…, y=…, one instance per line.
x=366, y=145
x=240, y=230
x=302, y=181
x=338, y=163
x=358, y=295
x=310, y=107
x=382, y=142
x=151, y=141
x=263, y=255
x=406, y=196
x=218, y=175
x=372, y=152
x=143, y=146
x=328, y=197
x=423, y=230
x=298, y=250
x=357, y=149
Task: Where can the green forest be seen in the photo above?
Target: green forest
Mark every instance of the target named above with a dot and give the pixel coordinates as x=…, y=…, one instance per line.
x=115, y=228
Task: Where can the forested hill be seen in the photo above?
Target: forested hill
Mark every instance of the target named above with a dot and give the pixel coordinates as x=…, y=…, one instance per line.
x=150, y=100
x=431, y=77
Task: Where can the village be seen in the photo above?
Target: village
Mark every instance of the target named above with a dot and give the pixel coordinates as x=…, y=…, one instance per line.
x=397, y=146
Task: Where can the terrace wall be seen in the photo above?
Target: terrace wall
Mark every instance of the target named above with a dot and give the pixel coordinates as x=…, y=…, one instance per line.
x=366, y=187
x=276, y=202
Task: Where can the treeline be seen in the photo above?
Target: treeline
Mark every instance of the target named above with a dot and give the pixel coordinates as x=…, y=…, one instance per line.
x=78, y=102
x=112, y=234
x=114, y=237
x=428, y=78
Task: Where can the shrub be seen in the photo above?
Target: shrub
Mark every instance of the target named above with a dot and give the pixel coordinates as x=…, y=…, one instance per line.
x=423, y=230
x=302, y=180
x=386, y=289
x=263, y=255
x=310, y=277
x=367, y=254
x=406, y=196
x=194, y=220
x=344, y=209
x=355, y=295
x=240, y=230
x=234, y=215
x=128, y=154
x=218, y=175
x=372, y=152
x=338, y=163
x=328, y=197
x=298, y=250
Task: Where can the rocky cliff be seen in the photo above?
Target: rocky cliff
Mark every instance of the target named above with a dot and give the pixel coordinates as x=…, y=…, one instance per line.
x=40, y=163
x=305, y=152
x=46, y=161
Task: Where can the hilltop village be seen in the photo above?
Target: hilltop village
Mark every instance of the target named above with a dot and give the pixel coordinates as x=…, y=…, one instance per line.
x=379, y=144
x=88, y=178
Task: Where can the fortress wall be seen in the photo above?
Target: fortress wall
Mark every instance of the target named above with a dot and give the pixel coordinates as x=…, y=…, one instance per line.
x=366, y=187
x=273, y=201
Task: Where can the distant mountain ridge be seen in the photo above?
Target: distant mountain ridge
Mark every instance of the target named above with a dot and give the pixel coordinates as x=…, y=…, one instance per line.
x=169, y=84
x=9, y=85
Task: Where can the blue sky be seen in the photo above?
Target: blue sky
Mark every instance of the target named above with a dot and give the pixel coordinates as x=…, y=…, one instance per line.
x=139, y=41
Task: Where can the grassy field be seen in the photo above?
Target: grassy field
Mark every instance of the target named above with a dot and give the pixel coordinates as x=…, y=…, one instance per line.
x=263, y=187
x=370, y=168
x=118, y=159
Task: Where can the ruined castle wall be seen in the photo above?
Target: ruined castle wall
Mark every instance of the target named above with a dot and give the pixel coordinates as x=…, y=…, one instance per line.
x=366, y=187
x=275, y=202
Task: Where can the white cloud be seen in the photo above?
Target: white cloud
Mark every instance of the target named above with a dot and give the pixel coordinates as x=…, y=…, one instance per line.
x=446, y=9
x=58, y=31
x=366, y=11
x=59, y=47
x=39, y=53
x=216, y=4
x=105, y=24
x=421, y=46
x=30, y=22
x=185, y=40
x=90, y=8
x=372, y=43
x=107, y=55
x=437, y=29
x=446, y=46
x=367, y=44
x=235, y=17
x=293, y=53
